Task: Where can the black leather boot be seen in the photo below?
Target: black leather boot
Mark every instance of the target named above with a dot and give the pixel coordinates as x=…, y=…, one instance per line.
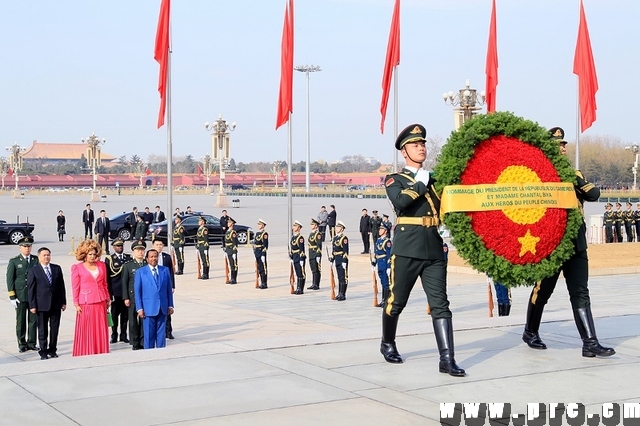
x=340, y=295
x=443, y=329
x=590, y=345
x=530, y=335
x=263, y=281
x=500, y=310
x=180, y=268
x=388, y=343
x=205, y=273
x=297, y=291
x=234, y=276
x=114, y=335
x=344, y=291
x=507, y=310
x=316, y=281
x=313, y=281
x=302, y=282
x=385, y=296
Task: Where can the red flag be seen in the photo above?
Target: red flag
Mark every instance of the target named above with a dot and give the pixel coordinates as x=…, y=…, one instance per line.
x=392, y=61
x=285, y=96
x=491, y=69
x=147, y=171
x=584, y=67
x=10, y=172
x=161, y=55
x=199, y=170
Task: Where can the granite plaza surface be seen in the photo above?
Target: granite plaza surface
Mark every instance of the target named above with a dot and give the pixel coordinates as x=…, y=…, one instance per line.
x=247, y=356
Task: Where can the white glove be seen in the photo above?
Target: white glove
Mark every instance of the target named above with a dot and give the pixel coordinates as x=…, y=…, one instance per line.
x=341, y=265
x=15, y=303
x=388, y=272
x=263, y=259
x=235, y=256
x=302, y=263
x=206, y=252
x=423, y=176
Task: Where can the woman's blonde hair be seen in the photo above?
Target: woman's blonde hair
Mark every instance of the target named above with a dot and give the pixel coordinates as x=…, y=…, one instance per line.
x=86, y=247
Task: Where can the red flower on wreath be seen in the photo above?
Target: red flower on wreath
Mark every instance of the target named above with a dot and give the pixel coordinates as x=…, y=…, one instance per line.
x=520, y=235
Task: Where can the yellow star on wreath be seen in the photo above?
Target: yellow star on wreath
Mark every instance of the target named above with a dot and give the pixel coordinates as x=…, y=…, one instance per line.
x=528, y=243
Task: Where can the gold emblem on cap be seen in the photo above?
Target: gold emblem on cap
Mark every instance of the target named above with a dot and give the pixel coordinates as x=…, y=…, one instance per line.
x=416, y=130
x=558, y=133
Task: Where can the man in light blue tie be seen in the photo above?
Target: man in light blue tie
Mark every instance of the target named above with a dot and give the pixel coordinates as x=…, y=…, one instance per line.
x=154, y=300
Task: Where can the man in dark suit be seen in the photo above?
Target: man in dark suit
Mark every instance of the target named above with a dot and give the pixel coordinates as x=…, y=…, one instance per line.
x=102, y=230
x=365, y=230
x=17, y=270
x=87, y=219
x=158, y=216
x=332, y=218
x=115, y=267
x=47, y=300
x=147, y=217
x=154, y=300
x=164, y=259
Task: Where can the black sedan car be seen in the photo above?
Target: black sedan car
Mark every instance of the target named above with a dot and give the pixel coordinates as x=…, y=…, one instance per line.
x=190, y=223
x=14, y=232
x=120, y=226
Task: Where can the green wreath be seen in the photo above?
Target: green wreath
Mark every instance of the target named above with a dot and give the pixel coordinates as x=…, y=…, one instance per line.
x=481, y=152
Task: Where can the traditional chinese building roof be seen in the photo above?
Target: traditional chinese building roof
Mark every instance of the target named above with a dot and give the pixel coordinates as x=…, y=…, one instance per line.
x=60, y=151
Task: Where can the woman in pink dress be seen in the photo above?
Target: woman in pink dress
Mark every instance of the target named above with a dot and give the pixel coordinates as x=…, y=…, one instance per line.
x=91, y=299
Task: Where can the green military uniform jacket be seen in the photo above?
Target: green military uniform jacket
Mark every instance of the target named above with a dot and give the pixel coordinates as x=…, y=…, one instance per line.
x=629, y=217
x=202, y=238
x=585, y=191
x=609, y=218
x=231, y=241
x=178, y=236
x=128, y=275
x=416, y=206
x=17, y=270
x=315, y=244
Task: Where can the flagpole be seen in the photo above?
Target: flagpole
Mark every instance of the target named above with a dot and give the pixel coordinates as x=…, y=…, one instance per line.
x=169, y=149
x=289, y=191
x=578, y=108
x=395, y=117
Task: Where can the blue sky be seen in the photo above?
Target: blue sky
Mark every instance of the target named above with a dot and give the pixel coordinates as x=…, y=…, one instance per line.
x=72, y=67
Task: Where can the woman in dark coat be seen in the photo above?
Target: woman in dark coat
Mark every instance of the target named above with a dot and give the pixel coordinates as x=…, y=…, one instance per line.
x=61, y=225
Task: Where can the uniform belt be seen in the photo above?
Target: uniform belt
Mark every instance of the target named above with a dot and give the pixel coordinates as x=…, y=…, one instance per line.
x=338, y=253
x=381, y=256
x=427, y=221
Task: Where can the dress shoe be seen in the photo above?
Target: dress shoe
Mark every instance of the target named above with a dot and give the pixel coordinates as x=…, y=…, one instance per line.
x=53, y=355
x=179, y=273
x=263, y=286
x=533, y=340
x=43, y=357
x=170, y=336
x=124, y=339
x=136, y=347
x=33, y=348
x=390, y=353
x=23, y=349
x=114, y=338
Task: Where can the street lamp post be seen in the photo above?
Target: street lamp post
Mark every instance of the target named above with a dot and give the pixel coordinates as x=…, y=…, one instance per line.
x=468, y=102
x=207, y=169
x=15, y=163
x=220, y=139
x=635, y=149
x=94, y=160
x=4, y=169
x=308, y=69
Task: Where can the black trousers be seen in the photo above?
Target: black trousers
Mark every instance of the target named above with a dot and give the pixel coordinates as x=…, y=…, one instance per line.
x=365, y=241
x=233, y=263
x=203, y=252
x=26, y=325
x=88, y=229
x=101, y=238
x=299, y=269
x=262, y=267
x=619, y=232
x=342, y=268
x=119, y=311
x=576, y=274
x=315, y=265
x=136, y=333
x=323, y=231
x=48, y=326
x=404, y=273
x=628, y=230
x=608, y=232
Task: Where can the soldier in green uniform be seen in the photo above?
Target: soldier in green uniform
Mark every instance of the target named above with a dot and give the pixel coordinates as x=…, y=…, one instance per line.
x=629, y=222
x=260, y=247
x=609, y=222
x=17, y=269
x=115, y=265
x=619, y=215
x=417, y=250
x=231, y=250
x=576, y=274
x=202, y=244
x=298, y=257
x=141, y=229
x=376, y=222
x=315, y=255
x=128, y=294
x=340, y=255
x=178, y=244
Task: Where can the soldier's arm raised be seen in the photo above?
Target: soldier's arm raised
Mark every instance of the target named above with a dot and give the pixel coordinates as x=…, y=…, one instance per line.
x=401, y=196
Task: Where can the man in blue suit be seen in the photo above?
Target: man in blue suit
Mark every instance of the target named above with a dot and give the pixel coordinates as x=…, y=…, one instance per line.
x=154, y=300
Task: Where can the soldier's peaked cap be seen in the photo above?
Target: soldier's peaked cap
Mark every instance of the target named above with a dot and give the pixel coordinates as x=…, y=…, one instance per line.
x=314, y=221
x=118, y=242
x=138, y=244
x=262, y=222
x=341, y=224
x=26, y=241
x=297, y=222
x=412, y=133
x=557, y=133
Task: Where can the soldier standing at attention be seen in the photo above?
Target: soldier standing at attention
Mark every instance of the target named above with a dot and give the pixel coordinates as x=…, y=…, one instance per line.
x=376, y=222
x=608, y=221
x=202, y=244
x=340, y=255
x=298, y=256
x=417, y=250
x=17, y=269
x=315, y=255
x=576, y=274
x=260, y=247
x=128, y=292
x=115, y=265
x=619, y=215
x=629, y=222
x=382, y=251
x=637, y=219
x=178, y=244
x=231, y=249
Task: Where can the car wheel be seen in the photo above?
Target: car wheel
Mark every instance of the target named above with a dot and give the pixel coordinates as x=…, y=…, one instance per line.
x=16, y=236
x=125, y=234
x=242, y=237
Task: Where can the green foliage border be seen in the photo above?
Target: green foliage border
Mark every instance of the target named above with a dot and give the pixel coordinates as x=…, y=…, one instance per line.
x=453, y=160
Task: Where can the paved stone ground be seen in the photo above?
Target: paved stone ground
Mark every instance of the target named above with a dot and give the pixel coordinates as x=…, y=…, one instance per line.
x=247, y=356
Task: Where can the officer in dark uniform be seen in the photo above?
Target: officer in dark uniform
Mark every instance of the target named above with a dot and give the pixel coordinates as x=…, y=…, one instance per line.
x=637, y=219
x=609, y=221
x=115, y=265
x=340, y=255
x=202, y=244
x=178, y=244
x=376, y=222
x=315, y=255
x=629, y=222
x=417, y=250
x=17, y=269
x=141, y=229
x=128, y=294
x=260, y=247
x=298, y=256
x=231, y=249
x=382, y=261
x=619, y=214
x=576, y=273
